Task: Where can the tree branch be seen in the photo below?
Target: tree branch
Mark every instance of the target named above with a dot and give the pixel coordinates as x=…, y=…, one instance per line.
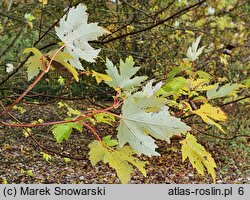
x=187, y=9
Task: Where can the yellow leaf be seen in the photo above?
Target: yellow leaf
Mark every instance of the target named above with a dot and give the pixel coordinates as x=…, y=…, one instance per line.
x=190, y=32
x=198, y=83
x=223, y=59
x=119, y=159
x=4, y=181
x=62, y=58
x=100, y=77
x=205, y=88
x=44, y=2
x=198, y=156
x=207, y=111
x=26, y=132
x=34, y=63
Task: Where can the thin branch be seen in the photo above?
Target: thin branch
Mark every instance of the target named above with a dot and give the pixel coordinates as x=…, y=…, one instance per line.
x=93, y=131
x=142, y=11
x=37, y=143
x=187, y=9
x=221, y=105
x=152, y=16
x=224, y=138
x=41, y=22
x=79, y=118
x=35, y=44
x=19, y=20
x=31, y=86
x=234, y=101
x=24, y=93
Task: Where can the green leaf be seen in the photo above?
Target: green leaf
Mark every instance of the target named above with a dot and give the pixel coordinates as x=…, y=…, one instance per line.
x=61, y=80
x=246, y=82
x=71, y=111
x=104, y=118
x=109, y=142
x=30, y=173
x=225, y=90
x=154, y=103
x=121, y=159
x=34, y=63
x=203, y=75
x=4, y=181
x=136, y=126
x=149, y=90
x=174, y=87
x=122, y=79
x=176, y=70
x=198, y=156
x=63, y=131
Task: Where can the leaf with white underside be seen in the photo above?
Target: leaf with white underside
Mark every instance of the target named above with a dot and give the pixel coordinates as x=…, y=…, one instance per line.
x=154, y=104
x=137, y=126
x=75, y=32
x=120, y=159
x=122, y=78
x=193, y=51
x=198, y=156
x=34, y=62
x=225, y=90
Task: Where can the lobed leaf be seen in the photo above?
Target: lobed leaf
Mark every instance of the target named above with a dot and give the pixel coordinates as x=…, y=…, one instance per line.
x=63, y=131
x=122, y=79
x=198, y=156
x=109, y=142
x=208, y=112
x=34, y=63
x=225, y=90
x=75, y=32
x=137, y=126
x=121, y=160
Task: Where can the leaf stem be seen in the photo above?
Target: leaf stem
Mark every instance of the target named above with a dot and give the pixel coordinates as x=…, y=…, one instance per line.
x=93, y=131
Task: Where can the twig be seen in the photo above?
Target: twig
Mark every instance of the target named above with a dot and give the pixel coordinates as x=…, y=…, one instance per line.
x=37, y=143
x=93, y=131
x=224, y=138
x=24, y=93
x=221, y=105
x=41, y=22
x=79, y=118
x=154, y=25
x=142, y=11
x=35, y=44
